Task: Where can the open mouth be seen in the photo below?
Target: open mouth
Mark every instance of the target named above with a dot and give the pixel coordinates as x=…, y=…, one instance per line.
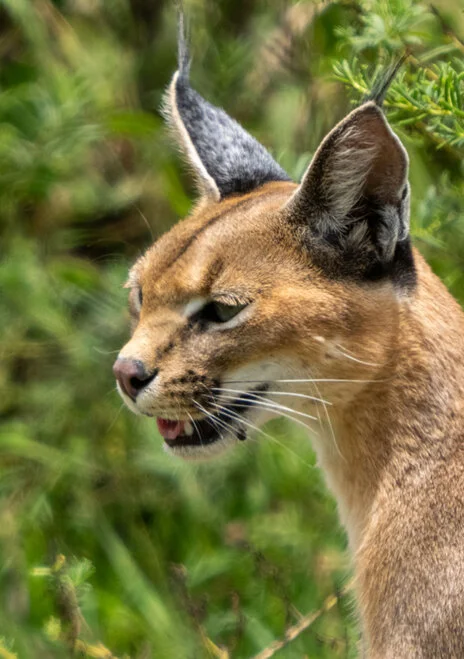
x=209, y=430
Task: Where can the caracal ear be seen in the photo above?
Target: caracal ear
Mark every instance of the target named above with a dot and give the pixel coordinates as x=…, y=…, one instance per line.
x=224, y=157
x=354, y=195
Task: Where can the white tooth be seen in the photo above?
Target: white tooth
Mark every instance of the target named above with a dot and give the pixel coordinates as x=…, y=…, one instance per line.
x=188, y=428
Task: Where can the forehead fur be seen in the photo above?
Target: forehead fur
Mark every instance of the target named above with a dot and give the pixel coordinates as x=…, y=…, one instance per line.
x=239, y=238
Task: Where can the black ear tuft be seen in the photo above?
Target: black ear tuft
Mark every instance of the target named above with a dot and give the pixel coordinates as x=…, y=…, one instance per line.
x=183, y=52
x=224, y=157
x=383, y=82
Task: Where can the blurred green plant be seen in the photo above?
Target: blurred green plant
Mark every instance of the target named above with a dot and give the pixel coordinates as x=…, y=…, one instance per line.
x=387, y=25
x=189, y=561
x=430, y=99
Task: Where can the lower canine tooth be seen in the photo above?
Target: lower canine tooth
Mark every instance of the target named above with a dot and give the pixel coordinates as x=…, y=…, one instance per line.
x=188, y=428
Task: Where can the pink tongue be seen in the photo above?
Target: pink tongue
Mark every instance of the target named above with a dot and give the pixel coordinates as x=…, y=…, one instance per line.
x=170, y=429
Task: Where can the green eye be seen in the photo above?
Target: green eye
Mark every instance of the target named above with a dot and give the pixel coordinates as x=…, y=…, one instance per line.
x=225, y=312
x=218, y=312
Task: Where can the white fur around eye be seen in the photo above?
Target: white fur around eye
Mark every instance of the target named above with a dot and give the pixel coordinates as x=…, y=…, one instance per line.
x=193, y=306
x=238, y=319
x=137, y=298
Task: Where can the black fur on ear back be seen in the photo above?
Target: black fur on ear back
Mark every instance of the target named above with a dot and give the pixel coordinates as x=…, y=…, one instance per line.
x=352, y=206
x=224, y=157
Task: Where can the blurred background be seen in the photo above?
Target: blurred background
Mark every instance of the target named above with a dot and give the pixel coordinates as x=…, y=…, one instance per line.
x=107, y=545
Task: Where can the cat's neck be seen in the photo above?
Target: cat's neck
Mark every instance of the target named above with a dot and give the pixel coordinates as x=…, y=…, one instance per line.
x=397, y=428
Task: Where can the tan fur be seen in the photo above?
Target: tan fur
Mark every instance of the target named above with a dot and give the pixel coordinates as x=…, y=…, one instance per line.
x=391, y=444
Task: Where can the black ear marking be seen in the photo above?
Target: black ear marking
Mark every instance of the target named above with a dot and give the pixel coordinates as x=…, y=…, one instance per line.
x=224, y=157
x=353, y=201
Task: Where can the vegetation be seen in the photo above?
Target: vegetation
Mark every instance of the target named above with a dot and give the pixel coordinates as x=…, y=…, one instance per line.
x=108, y=547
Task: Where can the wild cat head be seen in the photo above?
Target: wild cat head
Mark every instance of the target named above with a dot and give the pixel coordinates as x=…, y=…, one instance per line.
x=269, y=284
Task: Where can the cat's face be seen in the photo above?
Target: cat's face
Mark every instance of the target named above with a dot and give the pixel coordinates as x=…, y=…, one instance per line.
x=268, y=283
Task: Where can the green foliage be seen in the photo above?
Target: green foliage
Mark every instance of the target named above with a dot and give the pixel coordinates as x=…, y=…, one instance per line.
x=428, y=98
x=387, y=25
x=188, y=561
x=425, y=105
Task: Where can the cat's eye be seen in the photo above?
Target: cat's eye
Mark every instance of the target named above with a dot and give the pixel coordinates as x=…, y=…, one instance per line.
x=219, y=312
x=135, y=300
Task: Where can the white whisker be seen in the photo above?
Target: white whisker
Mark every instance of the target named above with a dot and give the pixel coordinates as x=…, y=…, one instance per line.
x=265, y=434
x=195, y=426
x=115, y=419
x=345, y=353
x=272, y=403
x=279, y=393
x=273, y=406
x=105, y=352
x=147, y=223
x=301, y=381
x=267, y=408
x=329, y=421
x=214, y=419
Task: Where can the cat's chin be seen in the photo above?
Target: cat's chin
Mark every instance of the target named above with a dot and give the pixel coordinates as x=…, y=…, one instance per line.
x=201, y=452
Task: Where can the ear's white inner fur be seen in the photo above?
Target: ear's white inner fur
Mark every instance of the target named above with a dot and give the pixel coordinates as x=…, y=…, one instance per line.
x=208, y=185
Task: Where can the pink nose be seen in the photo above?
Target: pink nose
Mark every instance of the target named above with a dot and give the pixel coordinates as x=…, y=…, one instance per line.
x=131, y=376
